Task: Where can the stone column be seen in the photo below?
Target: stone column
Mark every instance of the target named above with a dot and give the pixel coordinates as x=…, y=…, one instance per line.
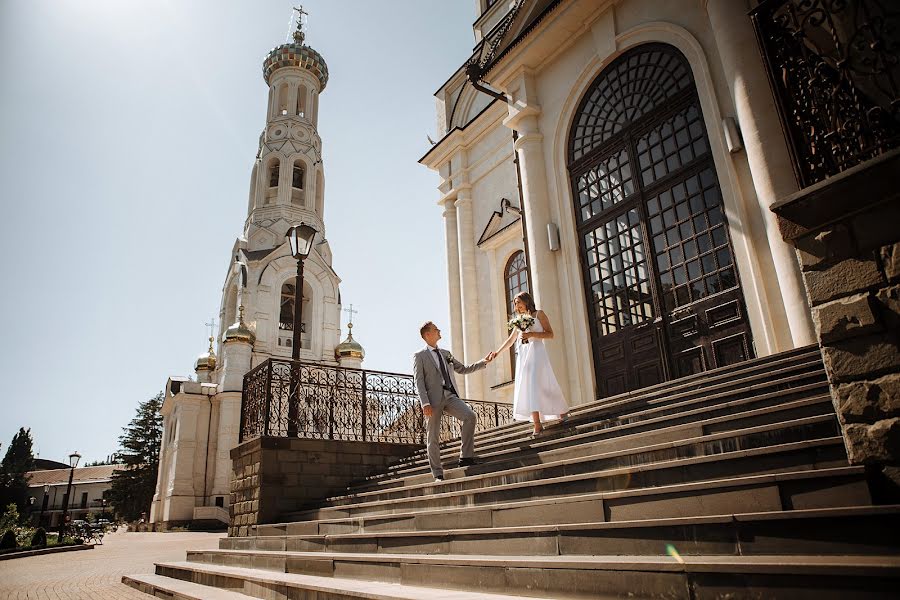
x=453, y=282
x=767, y=153
x=236, y=364
x=536, y=207
x=471, y=341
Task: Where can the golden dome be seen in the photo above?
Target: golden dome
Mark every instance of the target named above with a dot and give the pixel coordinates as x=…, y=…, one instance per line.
x=206, y=361
x=349, y=348
x=239, y=332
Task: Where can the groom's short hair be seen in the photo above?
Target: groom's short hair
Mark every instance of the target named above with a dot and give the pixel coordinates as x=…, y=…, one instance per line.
x=425, y=327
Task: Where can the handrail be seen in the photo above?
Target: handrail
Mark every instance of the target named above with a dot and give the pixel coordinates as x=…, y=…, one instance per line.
x=285, y=398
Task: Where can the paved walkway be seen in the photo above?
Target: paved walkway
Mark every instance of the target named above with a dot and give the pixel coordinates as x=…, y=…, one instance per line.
x=96, y=574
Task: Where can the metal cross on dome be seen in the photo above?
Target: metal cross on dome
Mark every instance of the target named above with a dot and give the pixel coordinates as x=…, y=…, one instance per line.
x=211, y=325
x=299, y=34
x=351, y=312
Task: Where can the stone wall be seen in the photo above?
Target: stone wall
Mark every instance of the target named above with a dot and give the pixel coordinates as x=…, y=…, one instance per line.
x=272, y=476
x=847, y=233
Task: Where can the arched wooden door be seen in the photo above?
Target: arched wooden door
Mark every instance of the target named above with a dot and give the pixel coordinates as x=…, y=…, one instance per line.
x=663, y=294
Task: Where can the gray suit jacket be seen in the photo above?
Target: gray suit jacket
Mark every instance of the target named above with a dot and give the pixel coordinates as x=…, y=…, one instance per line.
x=429, y=382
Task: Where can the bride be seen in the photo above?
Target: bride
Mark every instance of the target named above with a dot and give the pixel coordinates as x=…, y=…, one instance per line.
x=537, y=393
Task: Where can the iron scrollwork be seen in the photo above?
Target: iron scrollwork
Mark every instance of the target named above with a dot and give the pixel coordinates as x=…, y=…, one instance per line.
x=285, y=398
x=834, y=66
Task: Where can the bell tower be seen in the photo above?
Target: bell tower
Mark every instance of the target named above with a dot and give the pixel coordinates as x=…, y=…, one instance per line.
x=288, y=178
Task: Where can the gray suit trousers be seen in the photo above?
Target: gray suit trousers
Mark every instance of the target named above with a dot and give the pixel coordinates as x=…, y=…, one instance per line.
x=453, y=406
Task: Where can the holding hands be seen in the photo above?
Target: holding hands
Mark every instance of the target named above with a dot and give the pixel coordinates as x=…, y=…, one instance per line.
x=490, y=356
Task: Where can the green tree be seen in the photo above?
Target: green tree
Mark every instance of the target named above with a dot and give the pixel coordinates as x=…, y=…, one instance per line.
x=14, y=469
x=132, y=488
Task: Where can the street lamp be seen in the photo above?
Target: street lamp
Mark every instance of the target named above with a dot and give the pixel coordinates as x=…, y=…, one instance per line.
x=44, y=502
x=73, y=462
x=30, y=508
x=300, y=237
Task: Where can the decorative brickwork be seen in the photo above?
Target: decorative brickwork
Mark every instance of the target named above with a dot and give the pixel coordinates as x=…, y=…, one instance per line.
x=847, y=233
x=272, y=476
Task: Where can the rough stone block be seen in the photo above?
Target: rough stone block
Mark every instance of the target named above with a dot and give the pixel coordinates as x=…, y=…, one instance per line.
x=846, y=317
x=889, y=306
x=890, y=260
x=858, y=358
x=829, y=245
x=842, y=279
x=879, y=442
x=869, y=401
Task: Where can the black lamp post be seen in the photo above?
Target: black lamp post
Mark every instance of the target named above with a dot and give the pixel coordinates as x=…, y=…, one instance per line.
x=44, y=501
x=300, y=237
x=103, y=508
x=30, y=508
x=73, y=462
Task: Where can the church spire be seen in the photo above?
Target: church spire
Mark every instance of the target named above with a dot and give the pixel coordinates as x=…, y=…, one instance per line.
x=299, y=34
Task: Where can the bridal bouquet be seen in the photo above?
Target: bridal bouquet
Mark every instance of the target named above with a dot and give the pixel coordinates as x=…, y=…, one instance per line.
x=521, y=322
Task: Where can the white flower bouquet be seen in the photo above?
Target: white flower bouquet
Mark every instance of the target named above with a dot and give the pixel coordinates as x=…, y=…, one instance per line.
x=522, y=322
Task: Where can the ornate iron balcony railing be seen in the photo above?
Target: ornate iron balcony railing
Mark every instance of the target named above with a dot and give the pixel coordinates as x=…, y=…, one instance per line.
x=338, y=403
x=834, y=67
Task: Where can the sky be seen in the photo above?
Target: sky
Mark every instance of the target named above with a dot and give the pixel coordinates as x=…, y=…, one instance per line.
x=128, y=131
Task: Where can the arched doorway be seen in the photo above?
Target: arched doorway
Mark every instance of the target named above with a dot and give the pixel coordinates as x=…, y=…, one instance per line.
x=663, y=295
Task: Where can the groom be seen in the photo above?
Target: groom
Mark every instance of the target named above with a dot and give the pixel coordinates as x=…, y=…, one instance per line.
x=433, y=372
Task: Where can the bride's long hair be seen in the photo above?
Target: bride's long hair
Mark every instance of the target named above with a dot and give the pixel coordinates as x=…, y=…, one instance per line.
x=527, y=300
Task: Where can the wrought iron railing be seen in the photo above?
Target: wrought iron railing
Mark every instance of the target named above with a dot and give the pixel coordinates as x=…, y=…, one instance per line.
x=285, y=398
x=834, y=67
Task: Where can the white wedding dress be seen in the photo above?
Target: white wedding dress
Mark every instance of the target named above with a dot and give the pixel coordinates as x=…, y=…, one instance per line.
x=536, y=386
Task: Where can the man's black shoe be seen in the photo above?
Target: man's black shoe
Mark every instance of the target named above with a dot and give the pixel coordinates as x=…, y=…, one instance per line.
x=438, y=478
x=468, y=462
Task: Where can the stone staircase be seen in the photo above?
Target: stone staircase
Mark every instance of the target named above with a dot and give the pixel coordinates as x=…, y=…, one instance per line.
x=729, y=484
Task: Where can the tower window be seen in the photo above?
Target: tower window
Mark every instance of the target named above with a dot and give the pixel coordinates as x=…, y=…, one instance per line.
x=297, y=180
x=273, y=174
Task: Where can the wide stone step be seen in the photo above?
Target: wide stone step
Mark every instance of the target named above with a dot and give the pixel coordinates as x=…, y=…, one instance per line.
x=854, y=530
x=515, y=438
x=611, y=465
x=798, y=490
x=666, y=400
x=223, y=583
x=676, y=576
x=691, y=423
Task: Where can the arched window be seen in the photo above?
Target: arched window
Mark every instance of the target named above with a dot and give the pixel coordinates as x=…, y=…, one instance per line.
x=301, y=101
x=286, y=315
x=283, y=99
x=298, y=182
x=298, y=176
x=274, y=172
x=516, y=276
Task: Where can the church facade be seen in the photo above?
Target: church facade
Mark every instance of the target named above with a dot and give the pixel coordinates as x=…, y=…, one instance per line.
x=609, y=157
x=287, y=187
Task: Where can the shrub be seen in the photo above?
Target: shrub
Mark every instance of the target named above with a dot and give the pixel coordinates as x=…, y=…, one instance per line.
x=9, y=540
x=39, y=538
x=78, y=541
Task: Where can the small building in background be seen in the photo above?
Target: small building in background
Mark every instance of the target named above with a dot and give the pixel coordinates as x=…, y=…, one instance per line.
x=48, y=488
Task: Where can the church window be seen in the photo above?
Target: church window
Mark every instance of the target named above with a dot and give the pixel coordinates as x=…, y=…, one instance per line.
x=516, y=278
x=273, y=174
x=298, y=176
x=301, y=101
x=516, y=275
x=286, y=315
x=283, y=99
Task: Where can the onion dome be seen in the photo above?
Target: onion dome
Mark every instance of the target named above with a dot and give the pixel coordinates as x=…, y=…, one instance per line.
x=206, y=361
x=239, y=332
x=349, y=348
x=296, y=54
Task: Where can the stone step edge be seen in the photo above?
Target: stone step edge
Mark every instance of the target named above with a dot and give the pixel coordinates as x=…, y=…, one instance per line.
x=582, y=410
x=423, y=469
x=702, y=439
x=369, y=590
x=178, y=589
x=846, y=565
x=730, y=482
x=810, y=513
x=511, y=439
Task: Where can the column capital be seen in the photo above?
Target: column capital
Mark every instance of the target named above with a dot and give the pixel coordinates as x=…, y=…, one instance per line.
x=527, y=139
